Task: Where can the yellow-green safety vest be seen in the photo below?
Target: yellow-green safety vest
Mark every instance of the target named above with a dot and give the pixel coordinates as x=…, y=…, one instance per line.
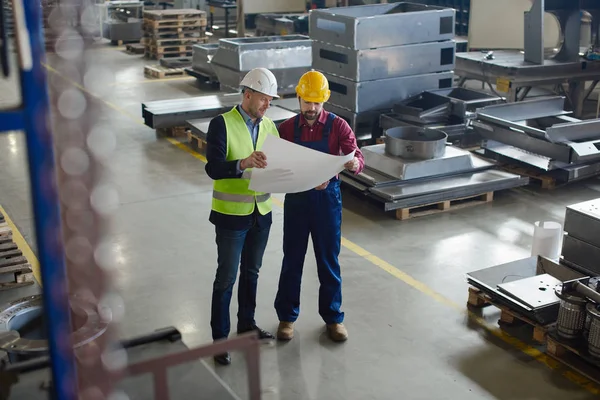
x=232, y=196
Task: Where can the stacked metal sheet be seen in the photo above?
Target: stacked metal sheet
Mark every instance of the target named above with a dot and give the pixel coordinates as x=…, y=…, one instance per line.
x=581, y=244
x=288, y=57
x=377, y=55
x=197, y=110
x=539, y=134
x=449, y=110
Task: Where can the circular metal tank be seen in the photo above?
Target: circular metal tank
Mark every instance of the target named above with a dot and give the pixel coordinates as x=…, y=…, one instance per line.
x=413, y=143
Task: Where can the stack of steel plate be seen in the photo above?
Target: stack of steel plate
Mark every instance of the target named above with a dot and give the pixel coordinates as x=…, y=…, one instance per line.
x=581, y=244
x=539, y=134
x=377, y=55
x=401, y=183
x=449, y=110
x=288, y=57
x=199, y=110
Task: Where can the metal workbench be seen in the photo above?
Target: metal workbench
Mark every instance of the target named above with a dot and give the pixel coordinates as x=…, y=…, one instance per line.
x=514, y=76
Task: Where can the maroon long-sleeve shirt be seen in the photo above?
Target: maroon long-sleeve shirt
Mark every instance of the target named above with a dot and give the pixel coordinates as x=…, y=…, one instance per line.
x=341, y=138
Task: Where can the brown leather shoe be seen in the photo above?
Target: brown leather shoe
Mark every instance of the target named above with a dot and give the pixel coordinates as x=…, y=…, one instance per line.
x=337, y=332
x=285, y=331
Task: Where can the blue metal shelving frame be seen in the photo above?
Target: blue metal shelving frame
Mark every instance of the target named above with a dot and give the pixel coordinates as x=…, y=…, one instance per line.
x=33, y=117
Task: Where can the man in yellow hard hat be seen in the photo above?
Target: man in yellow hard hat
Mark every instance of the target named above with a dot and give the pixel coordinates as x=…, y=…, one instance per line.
x=317, y=212
x=242, y=217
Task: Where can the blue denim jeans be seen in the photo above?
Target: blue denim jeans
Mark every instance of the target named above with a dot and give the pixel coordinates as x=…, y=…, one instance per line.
x=243, y=248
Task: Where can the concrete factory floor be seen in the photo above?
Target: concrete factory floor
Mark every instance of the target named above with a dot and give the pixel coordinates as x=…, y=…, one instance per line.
x=404, y=282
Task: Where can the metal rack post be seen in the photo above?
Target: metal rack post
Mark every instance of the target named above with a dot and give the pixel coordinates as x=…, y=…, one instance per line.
x=33, y=117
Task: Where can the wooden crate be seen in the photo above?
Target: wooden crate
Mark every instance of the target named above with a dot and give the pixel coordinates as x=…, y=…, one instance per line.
x=508, y=317
x=160, y=72
x=443, y=206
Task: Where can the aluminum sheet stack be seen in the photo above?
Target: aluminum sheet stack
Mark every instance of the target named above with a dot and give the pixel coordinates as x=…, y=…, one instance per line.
x=539, y=134
x=288, y=57
x=581, y=244
x=377, y=55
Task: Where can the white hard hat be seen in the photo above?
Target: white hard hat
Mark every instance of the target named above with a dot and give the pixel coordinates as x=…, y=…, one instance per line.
x=261, y=80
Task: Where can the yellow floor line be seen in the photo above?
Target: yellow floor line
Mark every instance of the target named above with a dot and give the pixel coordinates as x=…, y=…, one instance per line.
x=568, y=373
x=24, y=247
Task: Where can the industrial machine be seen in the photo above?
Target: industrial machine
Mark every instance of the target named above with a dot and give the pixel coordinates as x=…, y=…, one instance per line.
x=121, y=20
x=516, y=73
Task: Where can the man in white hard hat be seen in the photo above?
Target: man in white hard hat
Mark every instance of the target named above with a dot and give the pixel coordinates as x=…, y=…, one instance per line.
x=242, y=217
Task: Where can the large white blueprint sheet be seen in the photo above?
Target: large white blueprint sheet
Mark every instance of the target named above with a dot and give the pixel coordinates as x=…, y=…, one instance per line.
x=292, y=168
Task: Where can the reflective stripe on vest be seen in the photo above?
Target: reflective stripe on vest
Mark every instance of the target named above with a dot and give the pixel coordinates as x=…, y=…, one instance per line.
x=232, y=196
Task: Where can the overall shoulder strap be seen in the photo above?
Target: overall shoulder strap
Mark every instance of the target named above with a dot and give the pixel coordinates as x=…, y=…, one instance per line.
x=297, y=130
x=328, y=124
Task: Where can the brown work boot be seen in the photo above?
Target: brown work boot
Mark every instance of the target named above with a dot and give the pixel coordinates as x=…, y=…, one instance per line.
x=285, y=331
x=337, y=332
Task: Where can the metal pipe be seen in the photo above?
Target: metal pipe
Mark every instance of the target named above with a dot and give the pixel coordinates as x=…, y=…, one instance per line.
x=46, y=207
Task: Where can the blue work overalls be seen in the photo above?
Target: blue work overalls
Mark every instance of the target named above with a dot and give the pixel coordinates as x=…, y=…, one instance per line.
x=318, y=212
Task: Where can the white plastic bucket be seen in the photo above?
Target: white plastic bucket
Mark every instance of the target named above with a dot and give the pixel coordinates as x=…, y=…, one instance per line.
x=547, y=239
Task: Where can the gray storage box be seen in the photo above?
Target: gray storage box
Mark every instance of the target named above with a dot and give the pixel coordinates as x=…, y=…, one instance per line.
x=381, y=94
x=382, y=25
x=384, y=62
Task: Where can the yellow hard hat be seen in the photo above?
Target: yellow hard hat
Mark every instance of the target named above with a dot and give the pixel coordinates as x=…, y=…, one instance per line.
x=313, y=87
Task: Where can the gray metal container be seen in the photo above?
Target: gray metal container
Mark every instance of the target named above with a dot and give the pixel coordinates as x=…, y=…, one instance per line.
x=288, y=57
x=382, y=25
x=382, y=94
x=125, y=31
x=412, y=143
x=202, y=56
x=383, y=62
x=272, y=52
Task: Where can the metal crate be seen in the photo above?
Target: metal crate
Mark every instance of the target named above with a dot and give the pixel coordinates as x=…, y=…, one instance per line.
x=382, y=25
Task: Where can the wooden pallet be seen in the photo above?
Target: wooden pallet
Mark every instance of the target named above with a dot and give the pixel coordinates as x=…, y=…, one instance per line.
x=12, y=261
x=175, y=131
x=197, y=24
x=574, y=355
x=443, y=206
x=195, y=142
x=160, y=72
x=546, y=181
x=154, y=56
x=508, y=317
x=173, y=14
x=173, y=42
